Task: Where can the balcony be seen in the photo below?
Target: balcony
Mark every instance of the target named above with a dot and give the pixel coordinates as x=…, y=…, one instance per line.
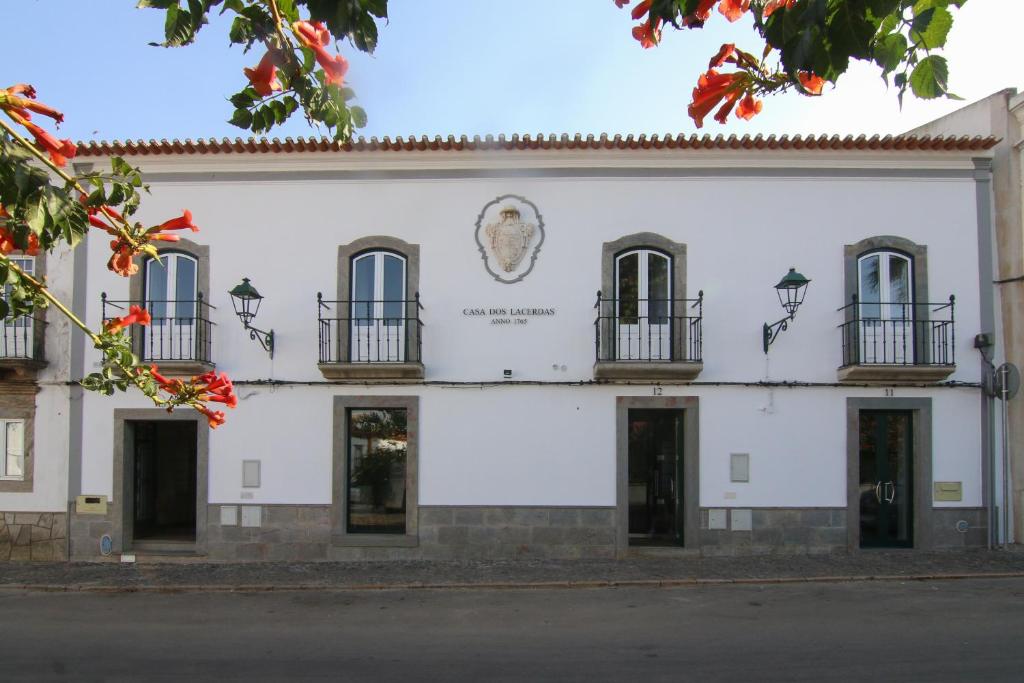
x=179, y=337
x=649, y=339
x=898, y=342
x=370, y=340
x=21, y=346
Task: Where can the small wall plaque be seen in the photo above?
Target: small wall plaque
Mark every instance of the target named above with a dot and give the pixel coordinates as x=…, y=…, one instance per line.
x=741, y=520
x=229, y=515
x=739, y=467
x=251, y=515
x=91, y=505
x=251, y=474
x=949, y=490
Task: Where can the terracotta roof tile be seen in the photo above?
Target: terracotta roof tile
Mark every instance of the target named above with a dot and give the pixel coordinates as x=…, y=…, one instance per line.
x=524, y=142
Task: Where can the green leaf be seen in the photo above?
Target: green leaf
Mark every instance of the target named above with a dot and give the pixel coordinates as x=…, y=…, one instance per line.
x=929, y=78
x=36, y=216
x=358, y=116
x=890, y=51
x=241, y=118
x=241, y=30
x=930, y=28
x=156, y=4
x=241, y=99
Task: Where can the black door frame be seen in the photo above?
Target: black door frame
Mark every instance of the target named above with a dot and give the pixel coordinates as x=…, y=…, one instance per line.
x=921, y=430
x=885, y=509
x=676, y=536
x=690, y=511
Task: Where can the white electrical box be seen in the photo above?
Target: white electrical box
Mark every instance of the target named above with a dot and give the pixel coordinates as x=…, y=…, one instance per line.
x=741, y=520
x=251, y=474
x=229, y=515
x=251, y=515
x=739, y=467
x=716, y=519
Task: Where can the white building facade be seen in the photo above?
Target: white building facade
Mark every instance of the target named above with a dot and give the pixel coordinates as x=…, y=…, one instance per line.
x=530, y=348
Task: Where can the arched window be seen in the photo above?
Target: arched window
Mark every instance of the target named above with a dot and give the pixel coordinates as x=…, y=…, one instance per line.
x=171, y=295
x=643, y=296
x=379, y=304
x=886, y=307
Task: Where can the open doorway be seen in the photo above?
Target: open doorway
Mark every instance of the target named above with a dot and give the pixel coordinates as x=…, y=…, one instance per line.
x=162, y=482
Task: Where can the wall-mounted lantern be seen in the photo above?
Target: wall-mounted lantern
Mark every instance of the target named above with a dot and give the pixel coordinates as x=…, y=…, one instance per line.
x=246, y=301
x=791, y=290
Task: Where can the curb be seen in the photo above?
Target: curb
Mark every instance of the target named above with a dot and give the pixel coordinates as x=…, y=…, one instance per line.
x=497, y=585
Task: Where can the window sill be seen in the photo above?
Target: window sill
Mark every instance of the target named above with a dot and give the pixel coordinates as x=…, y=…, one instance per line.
x=370, y=372
x=374, y=540
x=15, y=486
x=20, y=368
x=182, y=368
x=653, y=370
x=899, y=374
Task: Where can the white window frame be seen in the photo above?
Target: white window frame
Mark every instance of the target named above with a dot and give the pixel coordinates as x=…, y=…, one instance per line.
x=643, y=341
x=900, y=337
x=169, y=263
x=20, y=332
x=4, y=475
x=367, y=334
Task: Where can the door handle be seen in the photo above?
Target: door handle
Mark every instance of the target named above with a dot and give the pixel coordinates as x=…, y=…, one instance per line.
x=890, y=494
x=878, y=492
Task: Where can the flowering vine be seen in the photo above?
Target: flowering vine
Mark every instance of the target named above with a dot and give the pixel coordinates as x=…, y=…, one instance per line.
x=811, y=43
x=36, y=213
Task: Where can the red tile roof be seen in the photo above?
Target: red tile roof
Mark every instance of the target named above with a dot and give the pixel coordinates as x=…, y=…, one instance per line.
x=518, y=142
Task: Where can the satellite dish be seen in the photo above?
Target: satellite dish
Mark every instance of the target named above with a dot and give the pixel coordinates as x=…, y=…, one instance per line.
x=1006, y=378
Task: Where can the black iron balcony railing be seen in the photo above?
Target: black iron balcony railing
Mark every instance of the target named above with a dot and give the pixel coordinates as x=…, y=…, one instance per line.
x=649, y=330
x=898, y=334
x=370, y=331
x=18, y=337
x=180, y=329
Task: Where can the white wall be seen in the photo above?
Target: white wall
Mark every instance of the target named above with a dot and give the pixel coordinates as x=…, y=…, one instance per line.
x=50, y=475
x=555, y=445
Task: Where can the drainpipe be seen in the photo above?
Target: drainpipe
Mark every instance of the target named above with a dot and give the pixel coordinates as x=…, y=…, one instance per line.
x=986, y=310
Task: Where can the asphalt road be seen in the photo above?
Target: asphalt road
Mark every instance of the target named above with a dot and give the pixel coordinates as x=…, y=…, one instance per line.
x=915, y=631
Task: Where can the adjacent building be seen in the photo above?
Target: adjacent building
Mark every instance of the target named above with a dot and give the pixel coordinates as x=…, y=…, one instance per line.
x=1001, y=115
x=527, y=347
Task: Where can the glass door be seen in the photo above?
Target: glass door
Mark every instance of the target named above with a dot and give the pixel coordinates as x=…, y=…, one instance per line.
x=655, y=477
x=378, y=308
x=171, y=301
x=643, y=296
x=886, y=479
x=886, y=310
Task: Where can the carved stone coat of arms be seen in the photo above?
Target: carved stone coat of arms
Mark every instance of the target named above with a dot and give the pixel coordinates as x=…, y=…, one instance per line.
x=506, y=237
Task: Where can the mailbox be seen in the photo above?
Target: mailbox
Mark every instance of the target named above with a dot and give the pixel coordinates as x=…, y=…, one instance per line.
x=91, y=505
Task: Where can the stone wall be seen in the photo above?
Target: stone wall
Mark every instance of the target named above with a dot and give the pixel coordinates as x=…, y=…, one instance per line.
x=87, y=530
x=287, y=533
x=303, y=533
x=778, y=530
x=33, y=536
x=945, y=534
x=517, y=532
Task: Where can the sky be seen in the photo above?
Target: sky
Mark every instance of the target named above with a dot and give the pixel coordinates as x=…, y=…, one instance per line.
x=465, y=68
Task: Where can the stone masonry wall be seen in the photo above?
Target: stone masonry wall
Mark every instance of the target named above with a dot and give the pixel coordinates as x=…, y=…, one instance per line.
x=778, y=530
x=33, y=536
x=303, y=533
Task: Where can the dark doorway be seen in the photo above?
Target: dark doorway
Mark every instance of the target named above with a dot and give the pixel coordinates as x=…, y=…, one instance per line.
x=164, y=481
x=886, y=479
x=655, y=485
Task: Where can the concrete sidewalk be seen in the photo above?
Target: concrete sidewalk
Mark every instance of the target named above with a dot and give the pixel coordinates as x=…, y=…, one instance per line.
x=639, y=571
